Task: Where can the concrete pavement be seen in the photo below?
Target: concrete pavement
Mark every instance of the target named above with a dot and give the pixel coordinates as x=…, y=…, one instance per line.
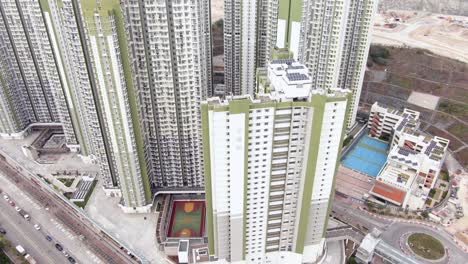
x=137, y=230
x=335, y=253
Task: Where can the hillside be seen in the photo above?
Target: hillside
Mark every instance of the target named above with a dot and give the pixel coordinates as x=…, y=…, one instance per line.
x=450, y=7
x=395, y=73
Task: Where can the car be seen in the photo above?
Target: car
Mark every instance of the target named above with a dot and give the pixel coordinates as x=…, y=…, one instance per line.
x=6, y=197
x=66, y=254
x=37, y=227
x=17, y=209
x=11, y=203
x=71, y=260
x=49, y=238
x=2, y=231
x=58, y=247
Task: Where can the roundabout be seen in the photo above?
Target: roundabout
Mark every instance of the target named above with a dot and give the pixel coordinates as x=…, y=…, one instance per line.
x=426, y=246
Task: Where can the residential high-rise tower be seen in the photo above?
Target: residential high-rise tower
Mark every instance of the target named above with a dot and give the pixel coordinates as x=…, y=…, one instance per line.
x=270, y=165
x=91, y=53
x=171, y=62
x=30, y=88
x=249, y=37
x=124, y=78
x=355, y=51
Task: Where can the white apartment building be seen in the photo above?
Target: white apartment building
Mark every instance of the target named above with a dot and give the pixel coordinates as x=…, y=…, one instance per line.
x=91, y=53
x=334, y=44
x=170, y=58
x=249, y=37
x=414, y=161
x=125, y=78
x=270, y=164
x=323, y=28
x=288, y=26
x=30, y=89
x=356, y=45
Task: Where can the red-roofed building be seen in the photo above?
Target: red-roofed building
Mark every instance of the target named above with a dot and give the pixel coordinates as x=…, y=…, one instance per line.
x=388, y=193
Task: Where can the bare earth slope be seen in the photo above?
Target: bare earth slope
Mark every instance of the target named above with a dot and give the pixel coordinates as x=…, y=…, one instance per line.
x=409, y=70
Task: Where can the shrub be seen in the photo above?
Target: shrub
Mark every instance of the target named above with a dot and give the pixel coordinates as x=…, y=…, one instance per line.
x=379, y=51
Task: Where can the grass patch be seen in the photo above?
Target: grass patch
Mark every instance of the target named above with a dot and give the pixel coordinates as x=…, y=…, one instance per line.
x=443, y=175
x=426, y=246
x=444, y=195
x=88, y=195
x=438, y=194
x=347, y=140
x=453, y=108
x=459, y=130
x=66, y=182
x=4, y=258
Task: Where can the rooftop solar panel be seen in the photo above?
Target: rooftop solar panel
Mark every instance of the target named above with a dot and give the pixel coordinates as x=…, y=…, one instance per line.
x=296, y=76
x=283, y=61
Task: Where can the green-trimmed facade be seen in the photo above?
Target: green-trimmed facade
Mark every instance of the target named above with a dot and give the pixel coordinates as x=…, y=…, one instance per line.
x=310, y=115
x=101, y=91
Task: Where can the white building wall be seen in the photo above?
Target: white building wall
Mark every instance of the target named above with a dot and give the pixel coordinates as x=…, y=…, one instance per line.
x=328, y=155
x=259, y=167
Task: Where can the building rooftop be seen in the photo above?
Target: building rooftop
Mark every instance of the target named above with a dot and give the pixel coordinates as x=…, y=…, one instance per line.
x=286, y=81
x=388, y=192
x=289, y=79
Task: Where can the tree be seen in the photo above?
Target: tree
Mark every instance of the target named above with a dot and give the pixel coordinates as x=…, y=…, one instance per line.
x=3, y=242
x=425, y=214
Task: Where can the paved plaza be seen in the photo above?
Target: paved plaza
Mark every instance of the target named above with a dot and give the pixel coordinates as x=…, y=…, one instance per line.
x=353, y=183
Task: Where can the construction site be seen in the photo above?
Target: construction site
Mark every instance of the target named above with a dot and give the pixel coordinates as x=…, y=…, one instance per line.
x=443, y=35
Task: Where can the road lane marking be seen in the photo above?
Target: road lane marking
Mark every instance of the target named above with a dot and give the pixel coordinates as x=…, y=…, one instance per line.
x=26, y=237
x=60, y=227
x=93, y=257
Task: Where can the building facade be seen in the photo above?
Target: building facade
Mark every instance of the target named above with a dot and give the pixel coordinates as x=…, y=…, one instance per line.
x=414, y=161
x=270, y=164
x=356, y=45
x=289, y=26
x=124, y=78
x=334, y=44
x=91, y=54
x=30, y=88
x=249, y=37
x=170, y=59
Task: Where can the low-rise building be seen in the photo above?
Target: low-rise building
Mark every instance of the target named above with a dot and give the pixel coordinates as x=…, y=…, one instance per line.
x=414, y=160
x=383, y=119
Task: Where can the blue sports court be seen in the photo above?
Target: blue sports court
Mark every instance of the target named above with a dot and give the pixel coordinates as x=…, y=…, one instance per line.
x=368, y=156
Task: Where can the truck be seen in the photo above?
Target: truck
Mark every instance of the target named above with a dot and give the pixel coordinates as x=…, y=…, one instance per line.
x=24, y=214
x=30, y=259
x=20, y=250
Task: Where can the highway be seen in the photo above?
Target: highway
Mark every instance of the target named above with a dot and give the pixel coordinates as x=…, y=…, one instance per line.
x=22, y=232
x=82, y=238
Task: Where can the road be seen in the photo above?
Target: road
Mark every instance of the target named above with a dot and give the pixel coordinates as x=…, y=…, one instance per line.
x=95, y=246
x=22, y=232
x=396, y=230
x=345, y=211
x=348, y=212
